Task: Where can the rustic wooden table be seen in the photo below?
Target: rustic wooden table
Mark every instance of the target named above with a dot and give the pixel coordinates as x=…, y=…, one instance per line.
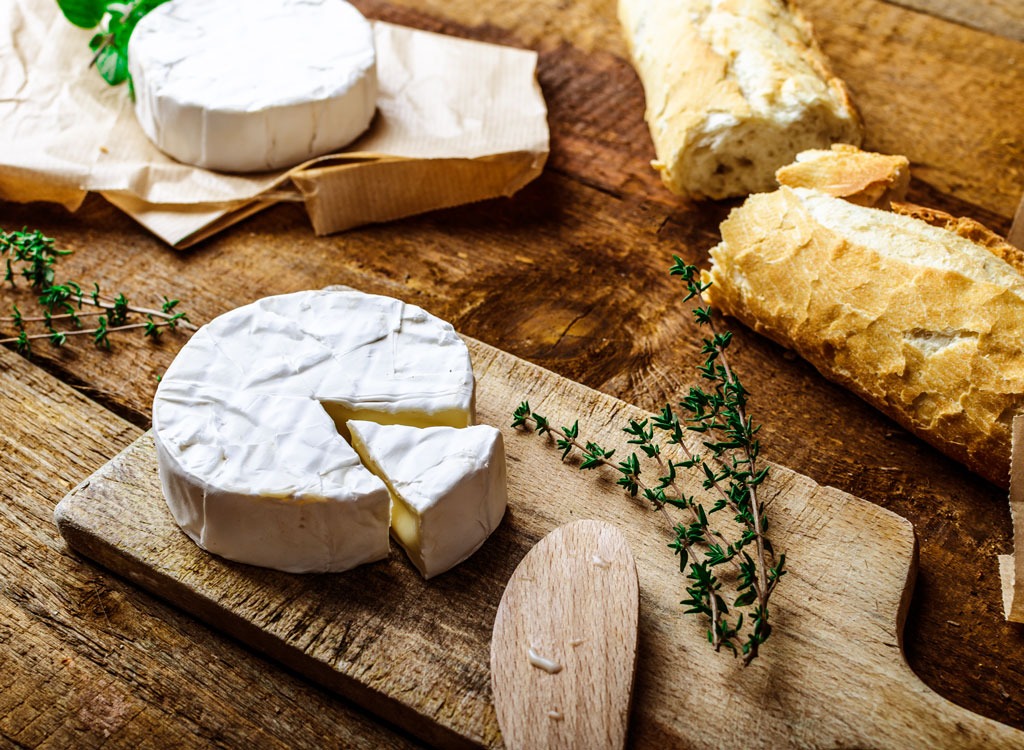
x=570, y=274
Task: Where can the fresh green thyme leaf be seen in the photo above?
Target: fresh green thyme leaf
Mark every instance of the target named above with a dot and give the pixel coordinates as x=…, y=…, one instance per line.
x=23, y=344
x=101, y=336
x=152, y=330
x=118, y=314
x=521, y=415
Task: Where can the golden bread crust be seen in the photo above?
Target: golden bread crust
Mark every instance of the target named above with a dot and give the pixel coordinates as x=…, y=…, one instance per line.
x=930, y=337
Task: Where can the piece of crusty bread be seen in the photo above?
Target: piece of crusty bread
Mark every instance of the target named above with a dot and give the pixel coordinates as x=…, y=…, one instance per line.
x=843, y=171
x=922, y=323
x=734, y=89
x=879, y=180
x=965, y=227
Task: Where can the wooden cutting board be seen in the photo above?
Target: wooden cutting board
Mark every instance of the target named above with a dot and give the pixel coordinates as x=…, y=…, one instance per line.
x=416, y=652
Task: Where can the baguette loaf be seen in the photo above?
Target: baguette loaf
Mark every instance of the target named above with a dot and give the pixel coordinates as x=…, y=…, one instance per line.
x=924, y=324
x=734, y=89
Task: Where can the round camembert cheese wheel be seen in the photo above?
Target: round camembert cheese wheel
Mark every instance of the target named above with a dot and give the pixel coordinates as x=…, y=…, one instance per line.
x=447, y=487
x=253, y=86
x=249, y=423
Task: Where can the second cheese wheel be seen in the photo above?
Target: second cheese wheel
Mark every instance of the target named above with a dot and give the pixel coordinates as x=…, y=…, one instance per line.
x=253, y=86
x=249, y=423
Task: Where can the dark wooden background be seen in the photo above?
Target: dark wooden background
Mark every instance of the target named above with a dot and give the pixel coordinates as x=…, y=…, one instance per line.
x=571, y=273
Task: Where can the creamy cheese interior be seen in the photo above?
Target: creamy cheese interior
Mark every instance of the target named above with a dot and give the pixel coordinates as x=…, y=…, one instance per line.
x=342, y=414
x=448, y=487
x=405, y=521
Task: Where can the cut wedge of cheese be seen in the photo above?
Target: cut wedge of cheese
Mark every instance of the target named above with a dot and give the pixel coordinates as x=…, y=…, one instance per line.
x=448, y=487
x=254, y=86
x=249, y=419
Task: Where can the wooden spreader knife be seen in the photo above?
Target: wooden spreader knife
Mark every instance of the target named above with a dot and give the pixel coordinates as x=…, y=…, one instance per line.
x=563, y=650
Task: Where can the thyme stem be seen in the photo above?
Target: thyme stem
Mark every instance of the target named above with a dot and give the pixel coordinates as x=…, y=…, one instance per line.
x=108, y=304
x=83, y=332
x=710, y=534
x=43, y=318
x=762, y=585
x=32, y=256
x=726, y=461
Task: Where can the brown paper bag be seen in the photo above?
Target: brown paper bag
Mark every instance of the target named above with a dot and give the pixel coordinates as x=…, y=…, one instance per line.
x=457, y=121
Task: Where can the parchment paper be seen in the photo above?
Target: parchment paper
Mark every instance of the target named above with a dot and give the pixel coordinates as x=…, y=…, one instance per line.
x=457, y=121
x=1011, y=567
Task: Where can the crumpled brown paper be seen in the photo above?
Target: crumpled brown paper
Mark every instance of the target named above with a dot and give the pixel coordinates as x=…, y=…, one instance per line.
x=457, y=121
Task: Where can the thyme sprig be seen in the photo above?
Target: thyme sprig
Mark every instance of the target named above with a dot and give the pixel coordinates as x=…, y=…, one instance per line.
x=723, y=450
x=31, y=256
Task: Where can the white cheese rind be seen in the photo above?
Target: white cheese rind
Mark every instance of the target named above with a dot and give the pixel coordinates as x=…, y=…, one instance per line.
x=256, y=89
x=448, y=486
x=252, y=464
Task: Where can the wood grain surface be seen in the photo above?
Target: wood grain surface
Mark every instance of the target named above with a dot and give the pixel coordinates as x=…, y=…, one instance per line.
x=86, y=657
x=417, y=653
x=571, y=274
x=563, y=646
x=1001, y=17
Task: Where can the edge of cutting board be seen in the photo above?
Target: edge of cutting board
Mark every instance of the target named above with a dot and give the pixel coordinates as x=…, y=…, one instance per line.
x=416, y=652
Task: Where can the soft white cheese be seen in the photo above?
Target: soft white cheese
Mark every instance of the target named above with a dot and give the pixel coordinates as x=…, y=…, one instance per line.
x=448, y=487
x=259, y=85
x=249, y=422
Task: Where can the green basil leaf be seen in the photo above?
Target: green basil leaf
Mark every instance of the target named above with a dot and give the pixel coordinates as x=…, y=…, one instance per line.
x=84, y=13
x=112, y=65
